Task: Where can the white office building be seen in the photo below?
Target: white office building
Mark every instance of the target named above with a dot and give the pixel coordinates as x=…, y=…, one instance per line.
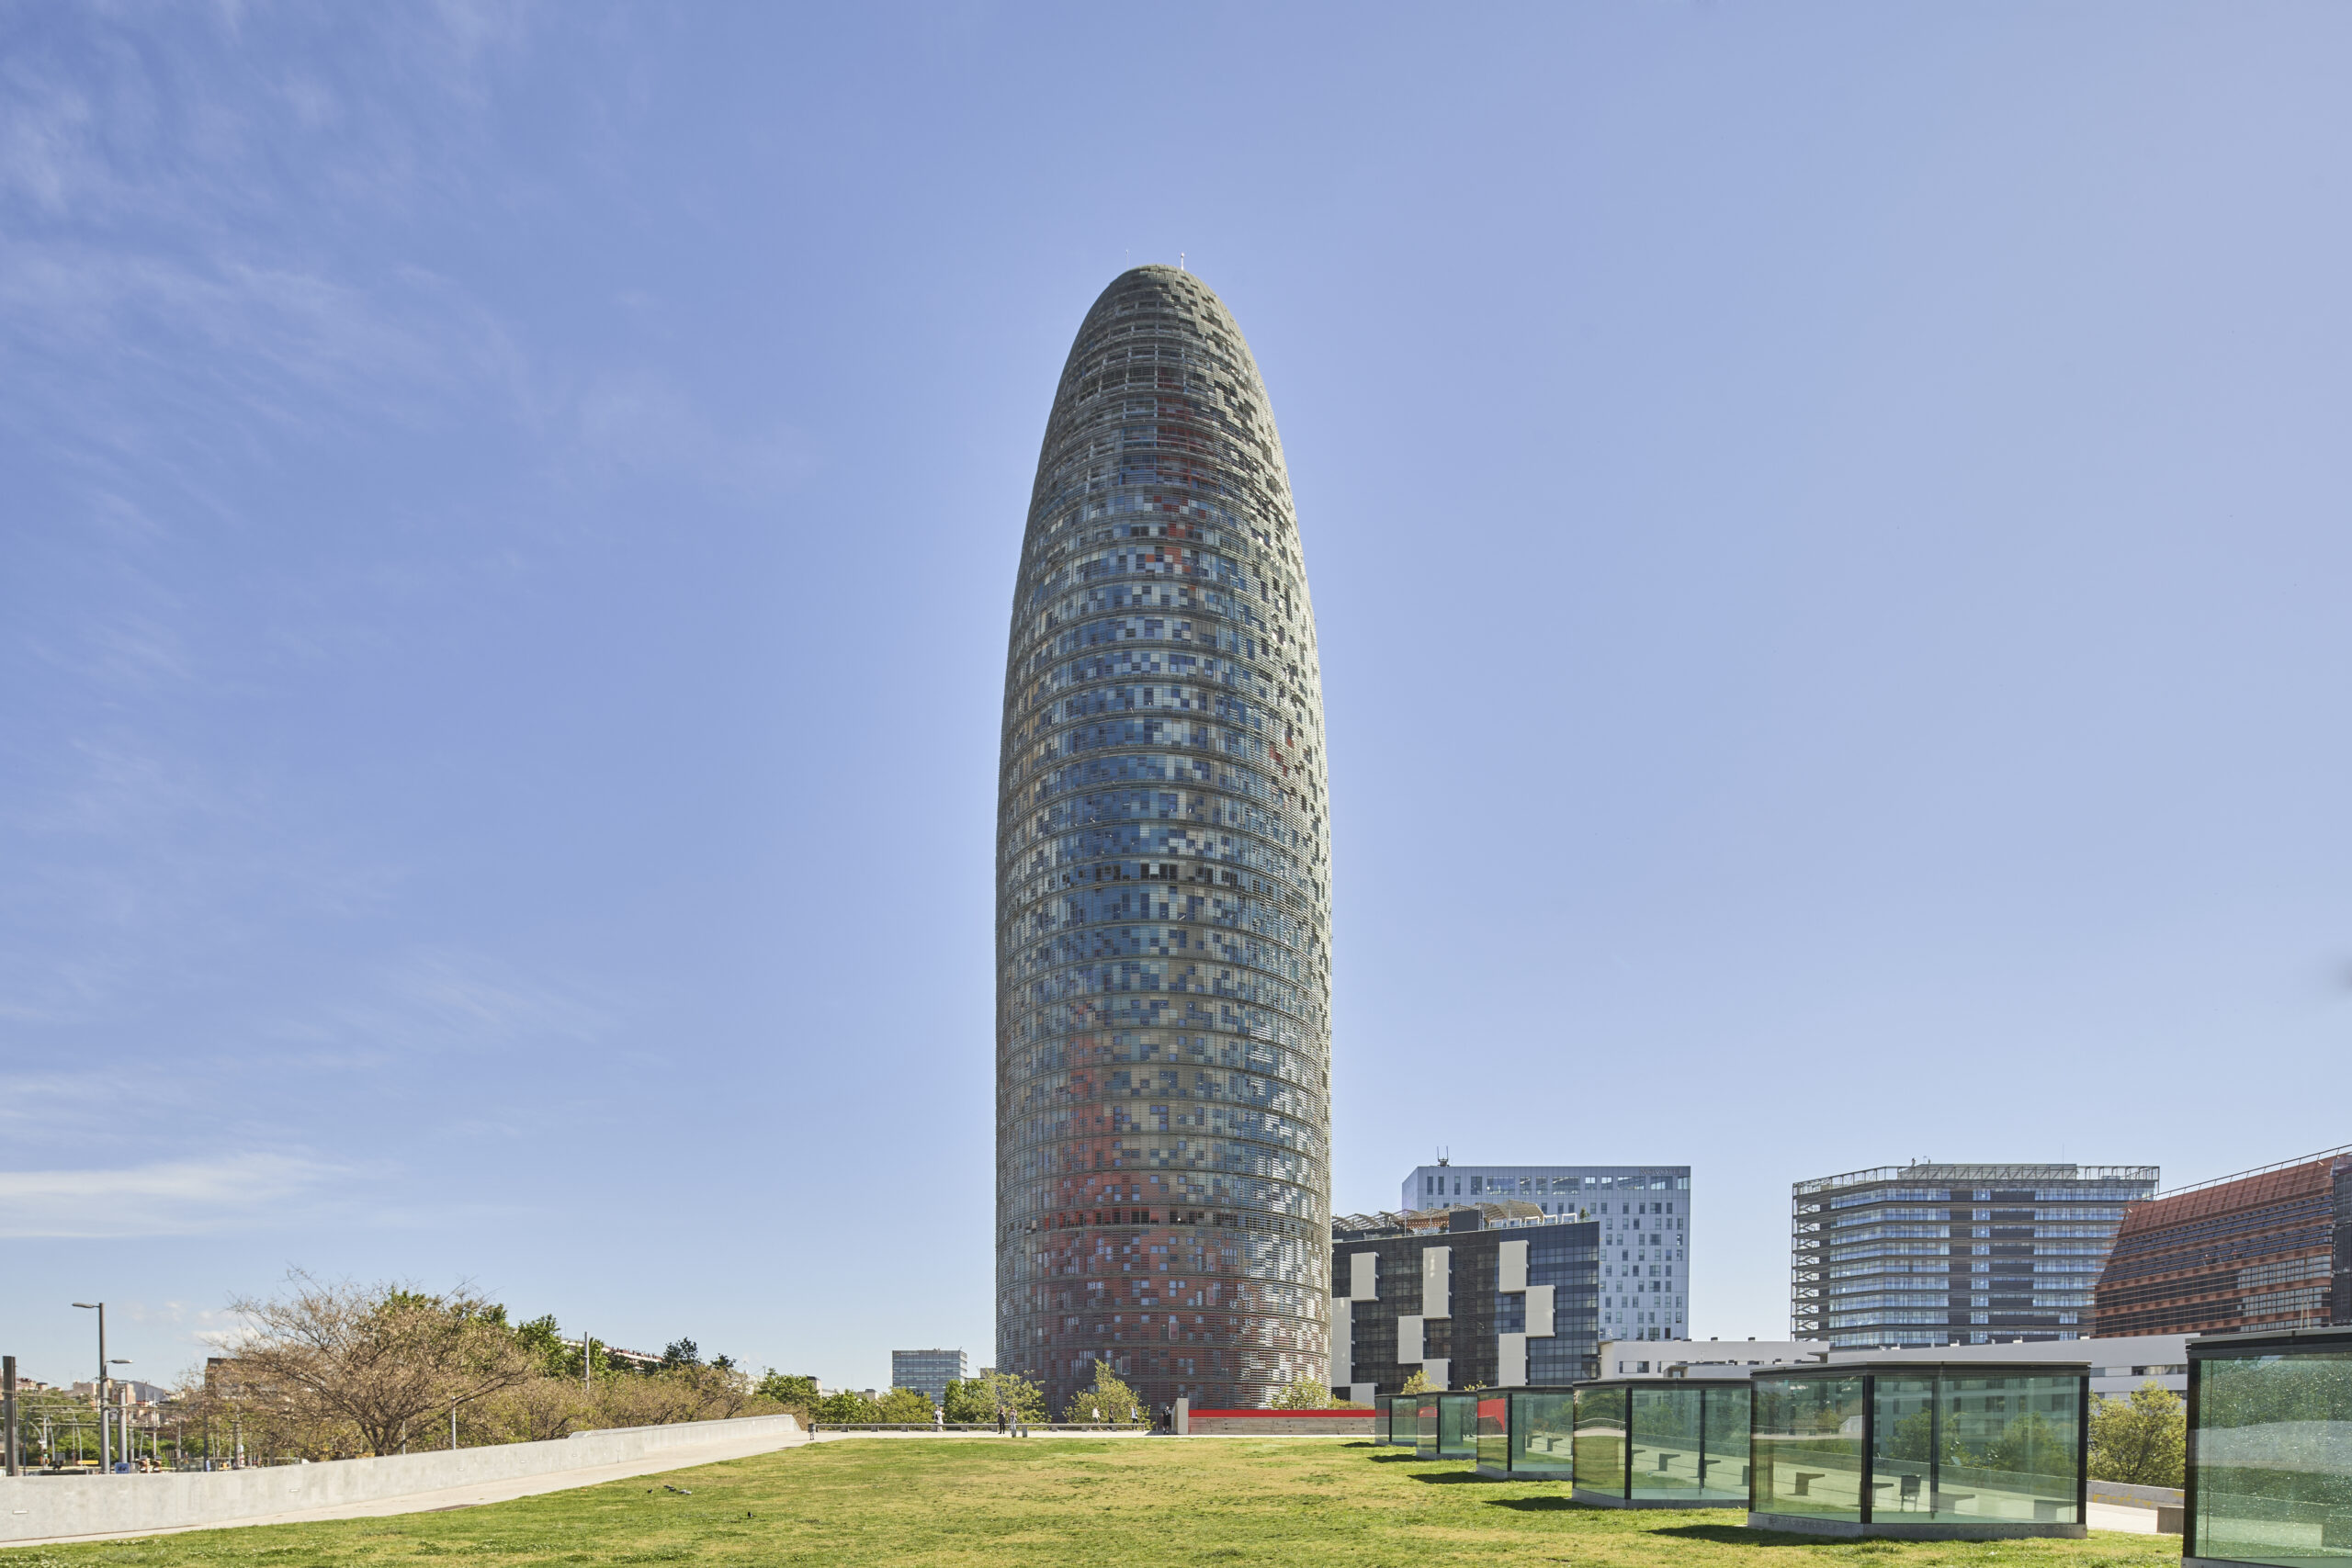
x=1644, y=1213
x=1705, y=1358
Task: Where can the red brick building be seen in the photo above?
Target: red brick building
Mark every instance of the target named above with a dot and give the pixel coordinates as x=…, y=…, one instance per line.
x=2270, y=1248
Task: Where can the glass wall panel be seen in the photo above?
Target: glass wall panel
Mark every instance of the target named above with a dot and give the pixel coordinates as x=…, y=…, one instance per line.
x=1601, y=1440
x=1723, y=1473
x=1808, y=1446
x=2005, y=1449
x=1402, y=1431
x=1425, y=1425
x=1665, y=1435
x=1542, y=1432
x=1492, y=1441
x=1457, y=1426
x=1903, y=1467
x=2273, y=1478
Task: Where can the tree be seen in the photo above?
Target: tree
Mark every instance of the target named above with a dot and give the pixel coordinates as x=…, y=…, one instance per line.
x=1107, y=1400
x=378, y=1357
x=1914, y=1438
x=534, y=1410
x=846, y=1408
x=791, y=1392
x=910, y=1405
x=980, y=1400
x=2142, y=1439
x=680, y=1353
x=1306, y=1393
x=2029, y=1445
x=1418, y=1383
x=542, y=1340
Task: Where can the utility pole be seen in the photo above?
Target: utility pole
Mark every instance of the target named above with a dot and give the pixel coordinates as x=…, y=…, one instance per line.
x=8, y=1412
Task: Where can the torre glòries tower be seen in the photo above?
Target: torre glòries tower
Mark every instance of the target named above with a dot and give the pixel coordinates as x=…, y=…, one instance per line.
x=1163, y=1064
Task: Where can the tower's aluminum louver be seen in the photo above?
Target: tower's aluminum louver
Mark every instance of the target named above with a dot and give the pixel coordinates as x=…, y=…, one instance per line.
x=1163, y=895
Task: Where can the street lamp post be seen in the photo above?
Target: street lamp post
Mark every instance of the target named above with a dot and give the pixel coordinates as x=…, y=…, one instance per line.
x=124, y=1441
x=453, y=1420
x=100, y=1387
x=121, y=1389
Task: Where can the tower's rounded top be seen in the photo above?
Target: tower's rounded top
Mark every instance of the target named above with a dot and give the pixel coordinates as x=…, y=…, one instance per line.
x=1159, y=273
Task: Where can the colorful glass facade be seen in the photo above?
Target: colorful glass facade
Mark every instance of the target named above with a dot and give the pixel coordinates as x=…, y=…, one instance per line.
x=1163, y=896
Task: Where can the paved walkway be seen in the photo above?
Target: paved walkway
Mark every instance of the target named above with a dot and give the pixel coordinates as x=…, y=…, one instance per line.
x=471, y=1497
x=2115, y=1517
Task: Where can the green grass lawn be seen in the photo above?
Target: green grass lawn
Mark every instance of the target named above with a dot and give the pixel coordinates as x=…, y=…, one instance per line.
x=1057, y=1502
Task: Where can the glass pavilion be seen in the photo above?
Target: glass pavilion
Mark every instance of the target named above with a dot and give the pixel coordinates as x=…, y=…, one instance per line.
x=2270, y=1448
x=1672, y=1442
x=1954, y=1450
x=1446, y=1425
x=1525, y=1434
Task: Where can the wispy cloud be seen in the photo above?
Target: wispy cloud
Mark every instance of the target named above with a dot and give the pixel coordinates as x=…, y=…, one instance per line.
x=640, y=423
x=173, y=1198
x=441, y=1001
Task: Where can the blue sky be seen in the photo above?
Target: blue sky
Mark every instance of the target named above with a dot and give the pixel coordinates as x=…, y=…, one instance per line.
x=1828, y=526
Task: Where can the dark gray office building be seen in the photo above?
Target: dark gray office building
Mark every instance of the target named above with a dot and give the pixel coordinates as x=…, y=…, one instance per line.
x=1954, y=1254
x=1495, y=1296
x=1163, y=895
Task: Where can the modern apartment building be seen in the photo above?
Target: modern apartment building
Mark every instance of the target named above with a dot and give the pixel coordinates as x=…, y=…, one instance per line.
x=1927, y=1254
x=1491, y=1295
x=929, y=1372
x=1643, y=1211
x=1163, y=895
x=2265, y=1249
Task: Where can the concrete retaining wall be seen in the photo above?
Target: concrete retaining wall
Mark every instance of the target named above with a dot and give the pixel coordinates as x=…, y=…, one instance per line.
x=38, y=1507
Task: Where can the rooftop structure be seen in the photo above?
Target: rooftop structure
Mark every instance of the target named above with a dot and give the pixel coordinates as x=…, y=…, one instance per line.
x=1163, y=894
x=1929, y=1254
x=1453, y=1217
